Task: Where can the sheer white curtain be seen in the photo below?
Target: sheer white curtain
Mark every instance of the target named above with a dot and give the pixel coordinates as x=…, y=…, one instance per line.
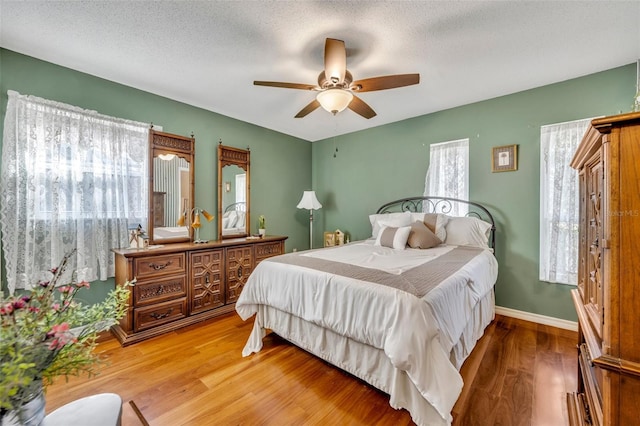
x=241, y=189
x=559, y=203
x=71, y=178
x=166, y=178
x=448, y=173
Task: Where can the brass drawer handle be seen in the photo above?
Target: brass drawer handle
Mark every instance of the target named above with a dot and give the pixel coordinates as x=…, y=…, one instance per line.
x=158, y=267
x=161, y=316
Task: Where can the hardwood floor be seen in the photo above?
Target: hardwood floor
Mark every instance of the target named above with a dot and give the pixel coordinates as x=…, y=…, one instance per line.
x=517, y=375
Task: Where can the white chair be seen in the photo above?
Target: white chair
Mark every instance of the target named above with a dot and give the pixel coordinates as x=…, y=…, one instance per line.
x=104, y=409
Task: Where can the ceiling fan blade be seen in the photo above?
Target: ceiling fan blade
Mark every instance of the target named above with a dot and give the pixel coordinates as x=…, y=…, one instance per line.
x=385, y=82
x=358, y=106
x=286, y=85
x=309, y=108
x=335, y=60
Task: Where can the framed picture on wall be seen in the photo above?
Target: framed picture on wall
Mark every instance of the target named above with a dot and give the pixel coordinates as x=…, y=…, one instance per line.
x=504, y=158
x=329, y=239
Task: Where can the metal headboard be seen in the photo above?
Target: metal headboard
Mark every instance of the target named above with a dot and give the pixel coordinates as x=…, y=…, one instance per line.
x=444, y=205
x=239, y=206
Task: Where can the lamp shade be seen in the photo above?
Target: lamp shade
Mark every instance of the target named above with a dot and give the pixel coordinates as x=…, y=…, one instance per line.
x=207, y=215
x=196, y=222
x=181, y=219
x=334, y=100
x=309, y=201
x=196, y=217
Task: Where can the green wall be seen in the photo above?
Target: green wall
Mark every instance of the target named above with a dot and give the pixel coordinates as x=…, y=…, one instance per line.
x=280, y=169
x=371, y=167
x=389, y=162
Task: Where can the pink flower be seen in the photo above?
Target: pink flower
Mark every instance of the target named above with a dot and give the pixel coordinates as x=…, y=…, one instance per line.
x=55, y=307
x=19, y=304
x=6, y=309
x=61, y=336
x=59, y=328
x=44, y=284
x=65, y=289
x=83, y=284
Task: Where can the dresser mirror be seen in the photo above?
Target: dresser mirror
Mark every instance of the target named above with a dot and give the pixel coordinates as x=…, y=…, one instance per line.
x=233, y=192
x=171, y=198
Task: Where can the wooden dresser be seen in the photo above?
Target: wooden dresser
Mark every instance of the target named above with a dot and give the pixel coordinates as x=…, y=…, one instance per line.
x=607, y=298
x=184, y=283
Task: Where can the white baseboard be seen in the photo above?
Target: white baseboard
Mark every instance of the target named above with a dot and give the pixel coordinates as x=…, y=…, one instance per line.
x=540, y=319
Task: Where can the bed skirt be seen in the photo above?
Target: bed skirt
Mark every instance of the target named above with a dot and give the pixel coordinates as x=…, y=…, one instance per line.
x=366, y=362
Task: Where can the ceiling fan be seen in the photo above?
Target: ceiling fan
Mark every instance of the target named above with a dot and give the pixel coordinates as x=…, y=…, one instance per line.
x=336, y=88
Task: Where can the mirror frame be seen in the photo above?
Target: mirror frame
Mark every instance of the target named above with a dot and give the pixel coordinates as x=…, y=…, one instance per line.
x=230, y=156
x=181, y=146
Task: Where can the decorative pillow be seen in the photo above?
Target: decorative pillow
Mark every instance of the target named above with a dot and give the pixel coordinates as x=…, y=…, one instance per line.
x=422, y=237
x=390, y=219
x=393, y=237
x=437, y=223
x=468, y=231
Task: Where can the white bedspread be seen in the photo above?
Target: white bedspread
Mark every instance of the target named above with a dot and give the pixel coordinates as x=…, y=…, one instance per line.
x=367, y=255
x=416, y=336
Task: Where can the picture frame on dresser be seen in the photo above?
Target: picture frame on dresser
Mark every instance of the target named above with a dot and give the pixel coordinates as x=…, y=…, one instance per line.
x=329, y=239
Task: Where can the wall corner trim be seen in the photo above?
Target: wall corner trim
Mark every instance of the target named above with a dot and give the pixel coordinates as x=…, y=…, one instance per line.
x=537, y=318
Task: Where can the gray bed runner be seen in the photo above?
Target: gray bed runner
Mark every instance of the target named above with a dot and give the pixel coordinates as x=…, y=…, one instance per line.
x=417, y=281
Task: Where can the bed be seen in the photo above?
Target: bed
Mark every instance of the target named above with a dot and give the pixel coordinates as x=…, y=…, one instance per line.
x=403, y=319
x=233, y=219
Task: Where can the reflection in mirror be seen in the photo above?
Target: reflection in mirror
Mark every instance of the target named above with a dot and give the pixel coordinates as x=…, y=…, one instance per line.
x=171, y=196
x=233, y=192
x=171, y=188
x=234, y=200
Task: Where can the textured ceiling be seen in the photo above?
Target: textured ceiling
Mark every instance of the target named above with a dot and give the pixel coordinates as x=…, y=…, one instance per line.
x=207, y=53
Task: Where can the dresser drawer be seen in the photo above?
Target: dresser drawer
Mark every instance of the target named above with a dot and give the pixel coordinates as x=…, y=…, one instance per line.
x=161, y=313
x=159, y=265
x=157, y=290
x=266, y=250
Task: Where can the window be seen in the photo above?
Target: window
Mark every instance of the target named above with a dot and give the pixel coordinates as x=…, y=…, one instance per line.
x=241, y=185
x=559, y=201
x=70, y=179
x=448, y=173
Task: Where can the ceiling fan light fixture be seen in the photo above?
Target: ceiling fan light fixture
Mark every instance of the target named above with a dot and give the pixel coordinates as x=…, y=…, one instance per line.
x=334, y=100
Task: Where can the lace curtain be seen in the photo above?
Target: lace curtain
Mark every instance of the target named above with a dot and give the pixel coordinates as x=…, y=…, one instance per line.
x=559, y=203
x=448, y=173
x=71, y=178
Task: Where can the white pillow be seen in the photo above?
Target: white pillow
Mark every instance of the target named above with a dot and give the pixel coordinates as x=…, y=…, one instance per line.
x=241, y=218
x=390, y=219
x=417, y=216
x=393, y=237
x=233, y=219
x=468, y=231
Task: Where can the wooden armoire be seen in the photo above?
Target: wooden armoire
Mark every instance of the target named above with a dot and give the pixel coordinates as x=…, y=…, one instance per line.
x=607, y=298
